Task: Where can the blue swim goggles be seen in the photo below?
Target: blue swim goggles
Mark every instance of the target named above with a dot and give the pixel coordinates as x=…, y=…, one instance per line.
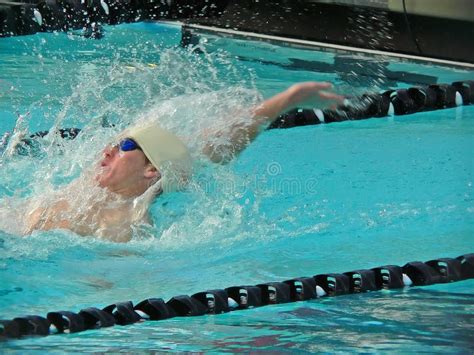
x=127, y=145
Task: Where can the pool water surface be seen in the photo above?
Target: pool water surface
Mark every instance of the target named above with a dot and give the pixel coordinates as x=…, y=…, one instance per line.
x=296, y=202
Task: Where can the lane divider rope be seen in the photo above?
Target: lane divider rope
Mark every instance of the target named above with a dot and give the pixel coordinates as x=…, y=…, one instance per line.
x=371, y=105
x=387, y=103
x=241, y=297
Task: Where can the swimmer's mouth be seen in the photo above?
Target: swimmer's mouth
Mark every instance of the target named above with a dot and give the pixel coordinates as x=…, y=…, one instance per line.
x=103, y=164
x=102, y=169
x=101, y=174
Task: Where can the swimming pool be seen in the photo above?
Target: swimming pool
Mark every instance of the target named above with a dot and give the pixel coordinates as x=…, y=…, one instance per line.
x=297, y=202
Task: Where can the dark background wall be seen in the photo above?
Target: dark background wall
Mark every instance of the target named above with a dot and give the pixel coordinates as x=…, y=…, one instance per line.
x=437, y=28
x=417, y=28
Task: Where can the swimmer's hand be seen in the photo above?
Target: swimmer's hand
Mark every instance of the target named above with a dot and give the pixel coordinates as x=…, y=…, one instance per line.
x=240, y=134
x=312, y=93
x=318, y=95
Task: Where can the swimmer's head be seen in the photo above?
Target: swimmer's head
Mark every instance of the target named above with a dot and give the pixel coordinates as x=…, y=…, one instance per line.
x=166, y=152
x=145, y=156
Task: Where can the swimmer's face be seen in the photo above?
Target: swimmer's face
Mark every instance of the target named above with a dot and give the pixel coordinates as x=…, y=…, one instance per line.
x=127, y=173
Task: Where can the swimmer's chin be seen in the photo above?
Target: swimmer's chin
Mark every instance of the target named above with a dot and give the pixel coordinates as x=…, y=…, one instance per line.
x=101, y=182
x=101, y=178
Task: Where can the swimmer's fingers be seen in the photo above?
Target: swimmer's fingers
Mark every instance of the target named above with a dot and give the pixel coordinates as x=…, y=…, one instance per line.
x=331, y=96
x=316, y=85
x=315, y=94
x=309, y=88
x=302, y=92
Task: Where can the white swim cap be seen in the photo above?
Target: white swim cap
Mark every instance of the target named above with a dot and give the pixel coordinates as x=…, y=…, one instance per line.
x=166, y=152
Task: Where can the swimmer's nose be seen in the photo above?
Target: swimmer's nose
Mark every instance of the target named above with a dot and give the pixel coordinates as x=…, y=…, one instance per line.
x=110, y=150
x=107, y=151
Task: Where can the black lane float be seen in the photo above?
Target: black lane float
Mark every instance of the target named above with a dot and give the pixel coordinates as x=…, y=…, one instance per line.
x=370, y=105
x=387, y=103
x=415, y=273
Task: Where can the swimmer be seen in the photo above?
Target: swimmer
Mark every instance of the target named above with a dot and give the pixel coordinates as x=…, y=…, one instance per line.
x=145, y=162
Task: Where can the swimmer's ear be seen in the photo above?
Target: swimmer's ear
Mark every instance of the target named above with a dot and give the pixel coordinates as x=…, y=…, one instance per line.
x=151, y=172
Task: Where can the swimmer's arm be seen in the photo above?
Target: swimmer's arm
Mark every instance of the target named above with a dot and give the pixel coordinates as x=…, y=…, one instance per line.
x=116, y=225
x=243, y=133
x=34, y=220
x=45, y=218
x=295, y=95
x=117, y=234
x=48, y=218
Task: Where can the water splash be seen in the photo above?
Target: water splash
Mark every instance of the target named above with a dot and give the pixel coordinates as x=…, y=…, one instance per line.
x=371, y=29
x=187, y=92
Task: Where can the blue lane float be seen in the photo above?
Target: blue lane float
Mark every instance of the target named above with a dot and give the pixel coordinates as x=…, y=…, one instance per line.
x=387, y=103
x=417, y=273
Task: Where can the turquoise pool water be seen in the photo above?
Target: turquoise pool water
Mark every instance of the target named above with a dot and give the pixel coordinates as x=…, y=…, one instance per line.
x=297, y=202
